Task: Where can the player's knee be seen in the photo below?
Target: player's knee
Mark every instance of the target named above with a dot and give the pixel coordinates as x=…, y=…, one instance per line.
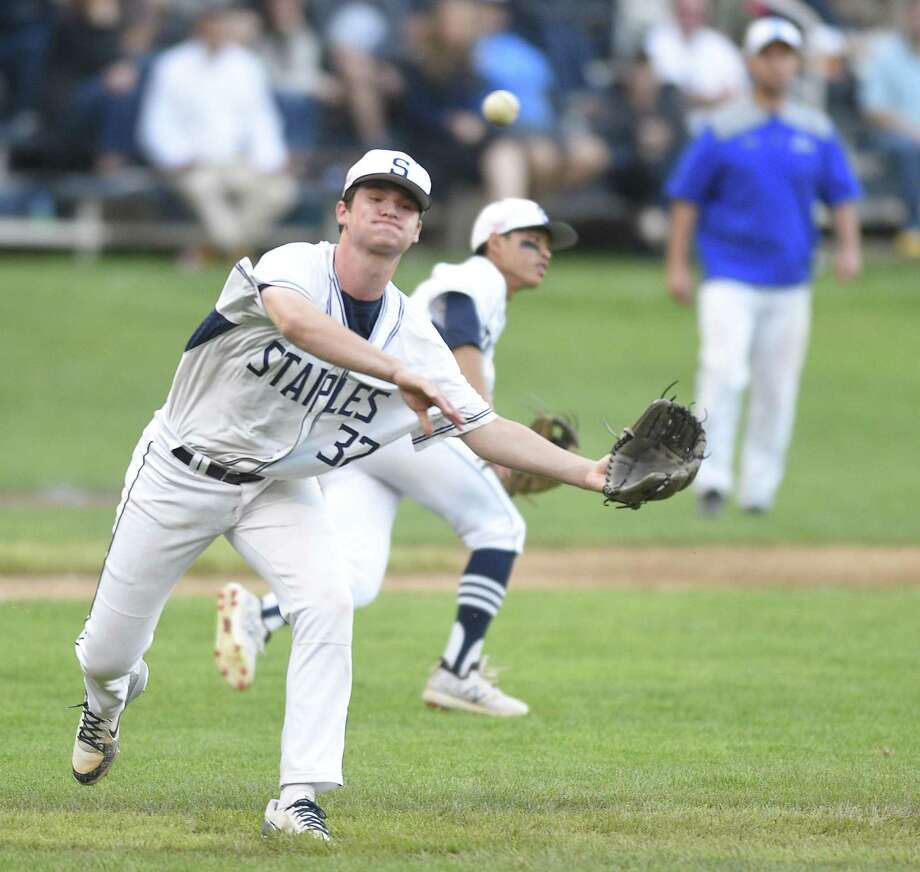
x=364, y=591
x=365, y=569
x=101, y=663
x=718, y=371
x=327, y=618
x=506, y=533
x=517, y=533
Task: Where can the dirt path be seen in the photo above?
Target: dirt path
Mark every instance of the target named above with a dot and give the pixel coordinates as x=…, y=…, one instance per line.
x=607, y=567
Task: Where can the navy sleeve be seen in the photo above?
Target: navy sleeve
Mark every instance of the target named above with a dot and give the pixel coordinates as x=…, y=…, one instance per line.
x=693, y=177
x=838, y=182
x=460, y=324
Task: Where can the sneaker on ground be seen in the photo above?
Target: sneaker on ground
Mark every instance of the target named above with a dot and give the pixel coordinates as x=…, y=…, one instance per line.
x=477, y=692
x=301, y=817
x=96, y=742
x=711, y=503
x=241, y=635
x=755, y=509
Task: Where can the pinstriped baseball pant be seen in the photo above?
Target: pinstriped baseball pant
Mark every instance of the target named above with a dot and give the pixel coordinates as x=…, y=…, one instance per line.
x=167, y=517
x=447, y=478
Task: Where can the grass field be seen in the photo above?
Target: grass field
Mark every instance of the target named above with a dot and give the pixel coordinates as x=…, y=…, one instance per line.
x=693, y=729
x=93, y=348
x=673, y=727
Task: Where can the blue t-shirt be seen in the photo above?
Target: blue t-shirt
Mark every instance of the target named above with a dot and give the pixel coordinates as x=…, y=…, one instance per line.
x=755, y=178
x=507, y=61
x=361, y=315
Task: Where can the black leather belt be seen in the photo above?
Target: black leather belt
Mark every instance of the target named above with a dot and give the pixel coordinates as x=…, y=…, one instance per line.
x=215, y=470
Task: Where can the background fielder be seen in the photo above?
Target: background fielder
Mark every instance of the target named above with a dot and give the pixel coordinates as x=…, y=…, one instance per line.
x=750, y=182
x=511, y=241
x=273, y=389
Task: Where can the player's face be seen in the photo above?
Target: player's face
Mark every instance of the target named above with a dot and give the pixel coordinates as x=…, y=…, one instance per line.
x=774, y=69
x=383, y=219
x=522, y=256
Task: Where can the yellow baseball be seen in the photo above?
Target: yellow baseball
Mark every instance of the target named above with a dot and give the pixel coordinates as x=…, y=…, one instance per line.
x=501, y=108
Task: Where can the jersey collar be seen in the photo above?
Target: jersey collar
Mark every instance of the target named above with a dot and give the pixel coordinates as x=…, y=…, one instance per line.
x=389, y=319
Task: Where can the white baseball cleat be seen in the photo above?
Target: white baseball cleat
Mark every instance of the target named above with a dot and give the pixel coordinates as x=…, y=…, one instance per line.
x=303, y=817
x=476, y=693
x=241, y=635
x=96, y=744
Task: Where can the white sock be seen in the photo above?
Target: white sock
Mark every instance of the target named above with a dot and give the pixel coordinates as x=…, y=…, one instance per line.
x=290, y=793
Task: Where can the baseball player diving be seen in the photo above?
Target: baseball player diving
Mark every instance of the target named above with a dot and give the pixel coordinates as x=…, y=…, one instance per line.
x=310, y=359
x=512, y=241
x=747, y=185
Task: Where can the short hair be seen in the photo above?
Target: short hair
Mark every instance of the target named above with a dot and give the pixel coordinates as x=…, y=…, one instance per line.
x=347, y=199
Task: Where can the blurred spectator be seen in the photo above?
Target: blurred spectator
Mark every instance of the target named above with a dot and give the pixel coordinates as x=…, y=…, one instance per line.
x=633, y=19
x=459, y=52
x=363, y=39
x=91, y=94
x=891, y=100
x=209, y=121
x=643, y=124
x=504, y=59
x=293, y=53
x=824, y=9
x=438, y=109
x=25, y=28
x=536, y=156
x=704, y=63
x=574, y=37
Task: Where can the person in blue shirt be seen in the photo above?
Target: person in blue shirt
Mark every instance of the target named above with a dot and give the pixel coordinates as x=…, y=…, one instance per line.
x=891, y=102
x=747, y=187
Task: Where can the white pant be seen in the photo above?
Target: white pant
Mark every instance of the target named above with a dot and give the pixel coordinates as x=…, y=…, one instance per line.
x=237, y=204
x=167, y=517
x=758, y=337
x=447, y=478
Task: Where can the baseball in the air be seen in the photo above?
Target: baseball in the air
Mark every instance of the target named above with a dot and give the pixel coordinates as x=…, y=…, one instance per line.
x=501, y=108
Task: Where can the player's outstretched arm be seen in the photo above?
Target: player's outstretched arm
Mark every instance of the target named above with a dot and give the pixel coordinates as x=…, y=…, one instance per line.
x=323, y=337
x=511, y=444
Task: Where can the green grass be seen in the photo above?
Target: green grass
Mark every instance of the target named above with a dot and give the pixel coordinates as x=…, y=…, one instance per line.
x=91, y=350
x=695, y=729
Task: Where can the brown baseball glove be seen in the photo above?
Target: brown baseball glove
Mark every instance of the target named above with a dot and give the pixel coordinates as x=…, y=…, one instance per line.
x=561, y=431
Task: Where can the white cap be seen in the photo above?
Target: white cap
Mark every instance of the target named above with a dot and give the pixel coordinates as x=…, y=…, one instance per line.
x=764, y=31
x=513, y=213
x=395, y=167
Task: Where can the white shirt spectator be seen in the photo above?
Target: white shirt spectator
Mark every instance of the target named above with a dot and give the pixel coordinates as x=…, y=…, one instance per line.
x=205, y=107
x=705, y=65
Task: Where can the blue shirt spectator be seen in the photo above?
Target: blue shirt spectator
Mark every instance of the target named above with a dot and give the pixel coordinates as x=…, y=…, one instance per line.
x=891, y=102
x=891, y=79
x=755, y=178
x=506, y=60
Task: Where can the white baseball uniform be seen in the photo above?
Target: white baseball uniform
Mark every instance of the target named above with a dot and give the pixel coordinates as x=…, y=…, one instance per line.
x=245, y=402
x=449, y=479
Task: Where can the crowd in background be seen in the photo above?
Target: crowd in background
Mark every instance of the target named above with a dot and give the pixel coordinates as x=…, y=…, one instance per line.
x=238, y=106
